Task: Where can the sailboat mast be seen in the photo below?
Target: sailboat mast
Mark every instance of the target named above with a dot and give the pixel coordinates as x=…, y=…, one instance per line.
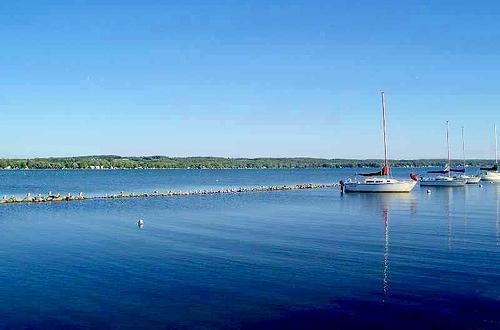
x=496, y=144
x=448, y=144
x=384, y=124
x=463, y=146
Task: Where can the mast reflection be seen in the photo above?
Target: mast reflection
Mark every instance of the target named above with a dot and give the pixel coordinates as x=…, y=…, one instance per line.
x=449, y=193
x=404, y=203
x=385, y=284
x=387, y=205
x=497, y=223
x=466, y=191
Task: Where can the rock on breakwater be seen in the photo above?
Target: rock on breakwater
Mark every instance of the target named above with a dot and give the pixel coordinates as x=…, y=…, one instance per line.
x=170, y=193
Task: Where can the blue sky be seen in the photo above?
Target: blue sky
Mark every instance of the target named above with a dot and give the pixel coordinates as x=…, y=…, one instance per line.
x=247, y=78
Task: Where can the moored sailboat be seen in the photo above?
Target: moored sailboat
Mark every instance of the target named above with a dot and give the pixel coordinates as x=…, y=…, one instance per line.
x=491, y=174
x=445, y=179
x=381, y=181
x=469, y=179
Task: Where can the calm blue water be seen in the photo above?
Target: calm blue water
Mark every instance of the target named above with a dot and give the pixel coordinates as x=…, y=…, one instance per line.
x=295, y=259
x=100, y=182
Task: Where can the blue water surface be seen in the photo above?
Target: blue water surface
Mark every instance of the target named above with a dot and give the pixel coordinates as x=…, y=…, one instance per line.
x=282, y=259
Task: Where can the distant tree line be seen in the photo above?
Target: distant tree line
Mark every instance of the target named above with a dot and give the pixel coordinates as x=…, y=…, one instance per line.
x=163, y=162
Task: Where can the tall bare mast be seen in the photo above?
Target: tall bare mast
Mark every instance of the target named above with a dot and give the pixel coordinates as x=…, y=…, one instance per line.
x=463, y=146
x=448, y=144
x=496, y=144
x=384, y=124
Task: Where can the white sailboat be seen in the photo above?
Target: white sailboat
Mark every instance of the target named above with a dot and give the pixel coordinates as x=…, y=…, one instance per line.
x=491, y=174
x=445, y=180
x=469, y=179
x=380, y=182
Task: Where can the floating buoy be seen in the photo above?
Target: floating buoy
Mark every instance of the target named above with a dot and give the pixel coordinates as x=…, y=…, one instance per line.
x=140, y=223
x=429, y=191
x=480, y=186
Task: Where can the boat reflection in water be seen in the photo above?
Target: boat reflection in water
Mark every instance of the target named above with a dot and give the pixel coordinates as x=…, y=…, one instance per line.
x=388, y=205
x=449, y=194
x=385, y=281
x=497, y=222
x=387, y=202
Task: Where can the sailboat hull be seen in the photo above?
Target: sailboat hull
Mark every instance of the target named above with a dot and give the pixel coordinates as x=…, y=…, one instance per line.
x=473, y=180
x=469, y=179
x=442, y=183
x=491, y=176
x=392, y=187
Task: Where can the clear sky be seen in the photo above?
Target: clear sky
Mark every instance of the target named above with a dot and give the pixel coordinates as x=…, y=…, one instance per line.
x=248, y=78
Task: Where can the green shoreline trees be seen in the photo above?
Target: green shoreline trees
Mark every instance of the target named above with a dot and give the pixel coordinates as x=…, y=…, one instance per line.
x=163, y=162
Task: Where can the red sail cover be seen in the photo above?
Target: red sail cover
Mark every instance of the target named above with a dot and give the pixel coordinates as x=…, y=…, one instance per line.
x=383, y=171
x=493, y=168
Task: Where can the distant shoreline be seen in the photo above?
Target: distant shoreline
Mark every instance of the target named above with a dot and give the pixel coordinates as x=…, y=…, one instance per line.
x=194, y=169
x=163, y=162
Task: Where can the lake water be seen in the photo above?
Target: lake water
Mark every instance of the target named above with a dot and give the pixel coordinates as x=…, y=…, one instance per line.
x=294, y=259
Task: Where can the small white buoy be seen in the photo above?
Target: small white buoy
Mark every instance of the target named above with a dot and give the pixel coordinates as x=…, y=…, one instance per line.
x=429, y=191
x=480, y=186
x=140, y=223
